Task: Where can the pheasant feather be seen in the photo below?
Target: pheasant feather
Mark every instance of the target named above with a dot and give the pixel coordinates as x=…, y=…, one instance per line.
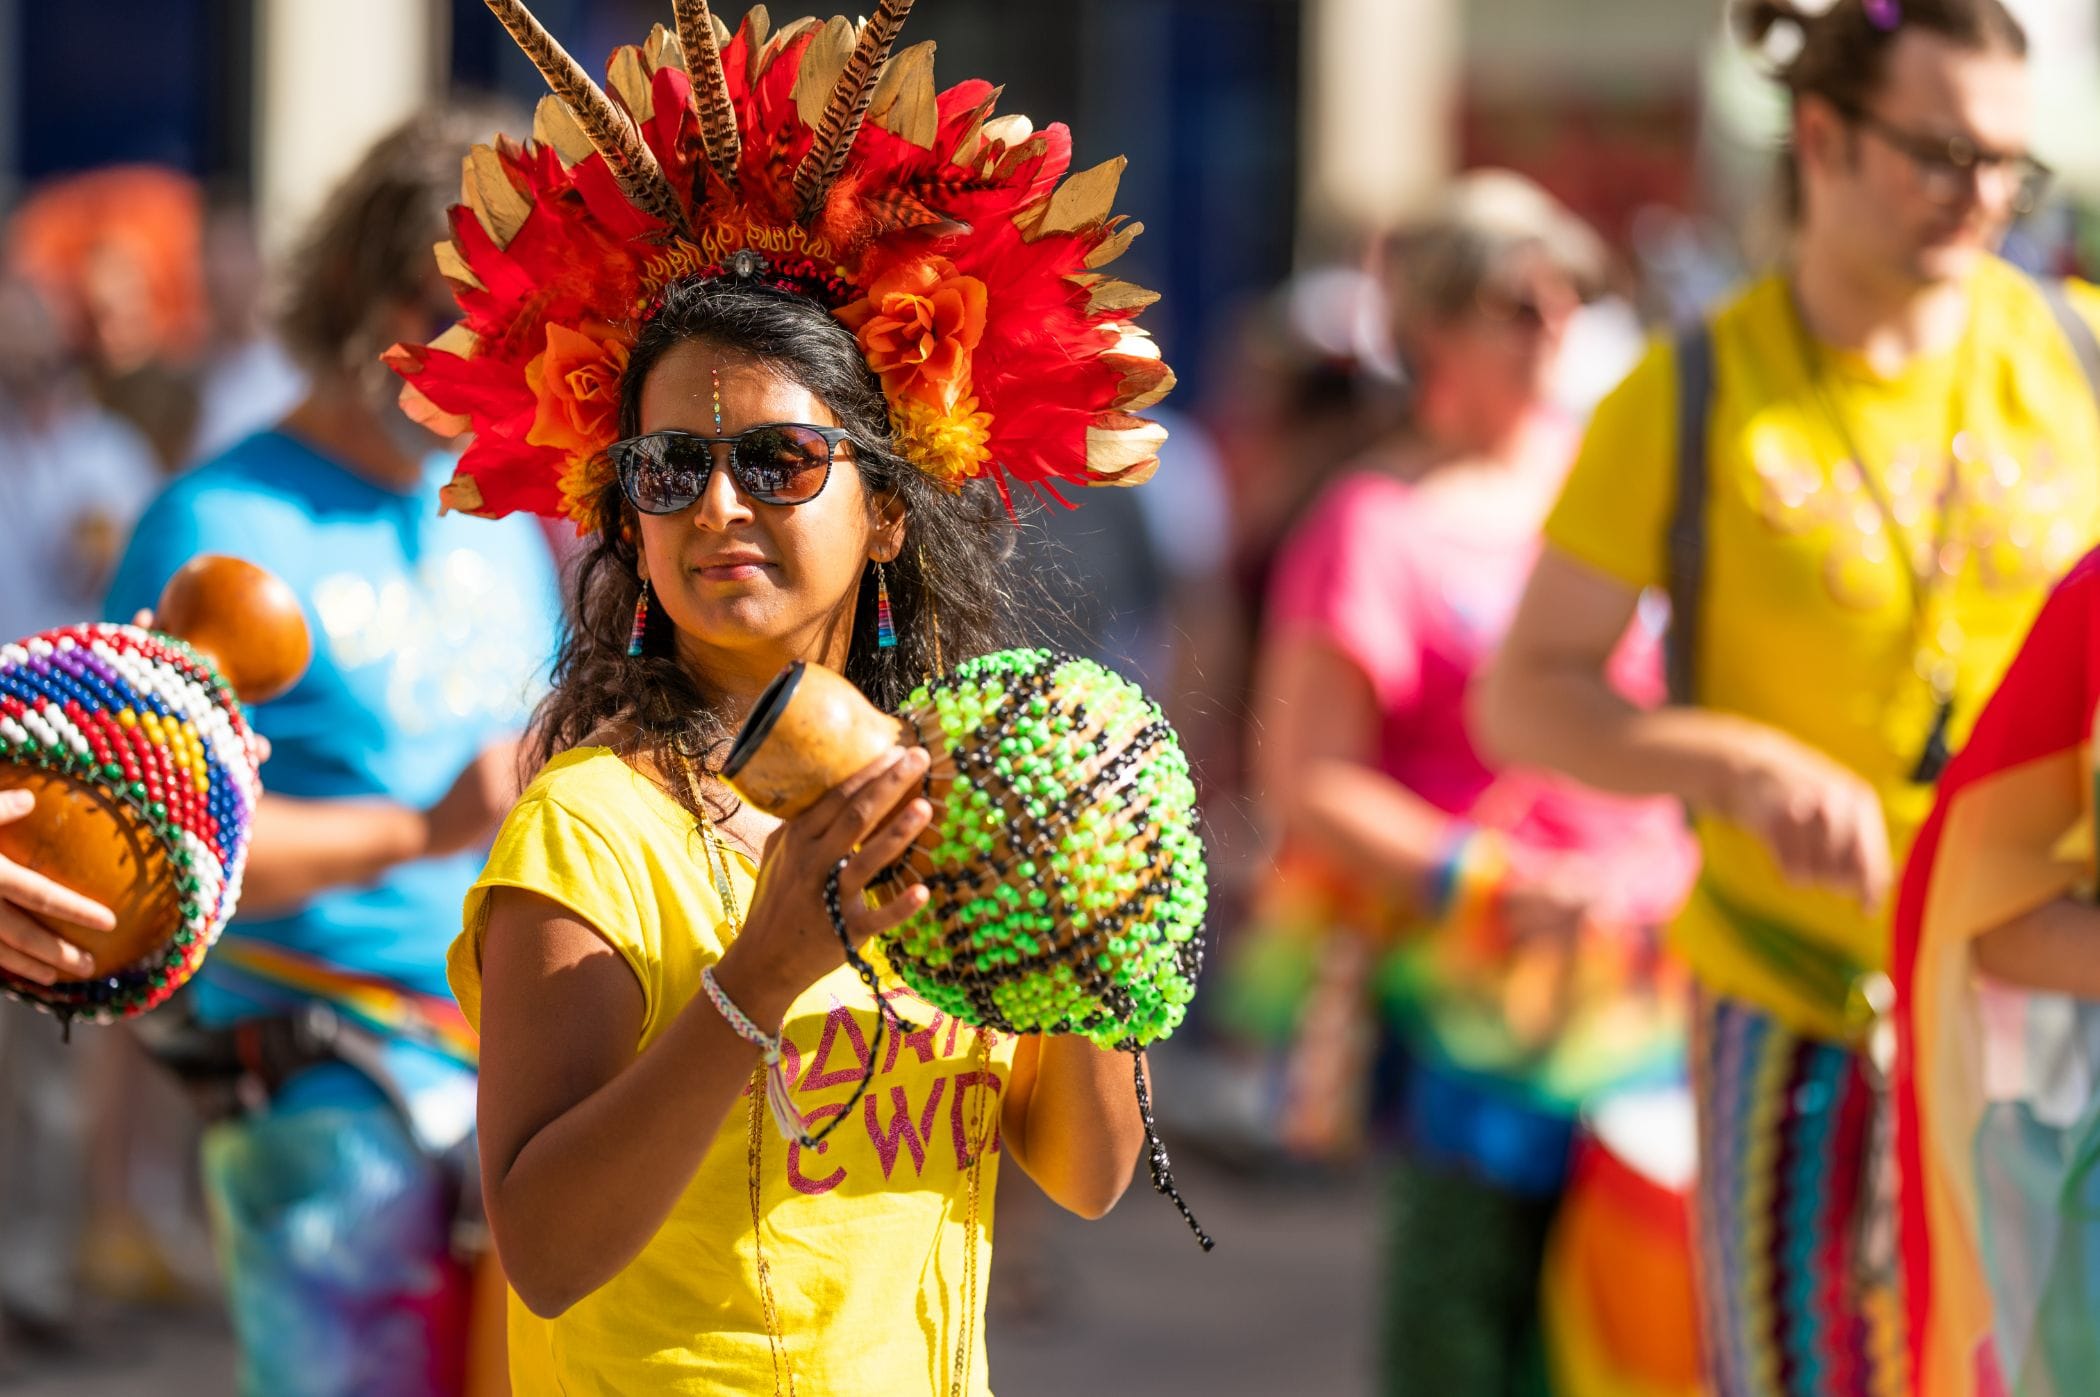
x=848, y=106
x=610, y=131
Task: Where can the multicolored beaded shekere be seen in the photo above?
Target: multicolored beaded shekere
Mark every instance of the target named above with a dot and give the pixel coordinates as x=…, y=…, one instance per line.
x=143, y=719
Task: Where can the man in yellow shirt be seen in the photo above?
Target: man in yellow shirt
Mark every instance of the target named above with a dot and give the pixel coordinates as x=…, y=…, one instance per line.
x=1887, y=457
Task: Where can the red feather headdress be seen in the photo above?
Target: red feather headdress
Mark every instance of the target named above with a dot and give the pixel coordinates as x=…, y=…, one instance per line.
x=947, y=239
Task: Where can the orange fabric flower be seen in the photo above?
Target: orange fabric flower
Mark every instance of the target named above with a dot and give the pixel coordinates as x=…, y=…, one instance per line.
x=577, y=381
x=918, y=325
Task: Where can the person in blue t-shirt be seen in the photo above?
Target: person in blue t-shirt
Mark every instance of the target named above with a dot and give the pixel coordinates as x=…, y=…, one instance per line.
x=325, y=1005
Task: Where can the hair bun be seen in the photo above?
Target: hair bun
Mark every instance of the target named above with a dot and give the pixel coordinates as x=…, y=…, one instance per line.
x=1778, y=29
x=1754, y=20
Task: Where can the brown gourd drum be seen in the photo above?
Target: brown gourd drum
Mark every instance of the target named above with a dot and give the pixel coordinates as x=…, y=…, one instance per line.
x=1066, y=874
x=144, y=769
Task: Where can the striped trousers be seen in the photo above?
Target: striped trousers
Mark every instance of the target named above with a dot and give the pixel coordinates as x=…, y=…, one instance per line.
x=1789, y=1303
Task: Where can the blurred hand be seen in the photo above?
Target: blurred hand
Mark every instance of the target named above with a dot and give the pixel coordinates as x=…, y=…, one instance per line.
x=1545, y=906
x=466, y=816
x=27, y=949
x=1821, y=821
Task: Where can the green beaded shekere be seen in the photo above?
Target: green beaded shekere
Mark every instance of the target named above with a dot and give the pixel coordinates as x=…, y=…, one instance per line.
x=1066, y=873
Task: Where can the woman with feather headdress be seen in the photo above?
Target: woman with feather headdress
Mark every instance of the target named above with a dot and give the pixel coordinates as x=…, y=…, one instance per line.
x=781, y=328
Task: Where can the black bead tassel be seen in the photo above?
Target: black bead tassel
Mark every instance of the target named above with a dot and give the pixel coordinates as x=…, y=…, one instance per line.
x=1156, y=1154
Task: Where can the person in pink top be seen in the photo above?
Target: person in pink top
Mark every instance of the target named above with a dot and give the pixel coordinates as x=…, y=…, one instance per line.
x=1509, y=916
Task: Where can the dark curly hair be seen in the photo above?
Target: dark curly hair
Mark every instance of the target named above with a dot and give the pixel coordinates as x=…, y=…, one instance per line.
x=1843, y=53
x=953, y=572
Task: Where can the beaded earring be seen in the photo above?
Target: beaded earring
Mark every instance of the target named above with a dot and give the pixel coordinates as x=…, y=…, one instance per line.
x=885, y=626
x=641, y=622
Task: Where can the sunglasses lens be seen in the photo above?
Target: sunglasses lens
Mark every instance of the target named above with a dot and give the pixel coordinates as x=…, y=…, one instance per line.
x=782, y=464
x=663, y=474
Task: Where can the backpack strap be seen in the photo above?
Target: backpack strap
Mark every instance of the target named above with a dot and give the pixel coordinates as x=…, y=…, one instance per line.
x=2077, y=330
x=1687, y=537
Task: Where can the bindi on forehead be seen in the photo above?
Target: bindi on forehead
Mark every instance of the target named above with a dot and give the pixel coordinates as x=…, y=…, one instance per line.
x=696, y=387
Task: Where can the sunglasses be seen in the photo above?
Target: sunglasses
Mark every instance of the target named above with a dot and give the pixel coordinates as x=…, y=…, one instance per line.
x=773, y=463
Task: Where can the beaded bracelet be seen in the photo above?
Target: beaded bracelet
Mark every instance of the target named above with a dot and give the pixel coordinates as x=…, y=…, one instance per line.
x=1445, y=874
x=784, y=1113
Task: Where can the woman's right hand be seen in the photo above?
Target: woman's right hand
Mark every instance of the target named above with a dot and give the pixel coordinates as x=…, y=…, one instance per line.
x=1821, y=821
x=27, y=947
x=787, y=943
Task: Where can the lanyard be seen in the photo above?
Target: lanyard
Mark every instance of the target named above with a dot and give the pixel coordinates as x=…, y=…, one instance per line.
x=1925, y=568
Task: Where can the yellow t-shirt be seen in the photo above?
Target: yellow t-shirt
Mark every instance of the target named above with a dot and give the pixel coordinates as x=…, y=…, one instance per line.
x=863, y=1234
x=1806, y=619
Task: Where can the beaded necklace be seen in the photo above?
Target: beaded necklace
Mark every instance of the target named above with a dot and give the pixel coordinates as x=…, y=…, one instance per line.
x=1929, y=563
x=754, y=1150
x=754, y=1154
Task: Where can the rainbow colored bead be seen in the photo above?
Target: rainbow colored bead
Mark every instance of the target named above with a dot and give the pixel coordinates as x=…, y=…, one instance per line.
x=885, y=624
x=639, y=636
x=142, y=718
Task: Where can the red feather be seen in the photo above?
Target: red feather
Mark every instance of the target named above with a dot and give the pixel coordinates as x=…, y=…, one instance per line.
x=1044, y=371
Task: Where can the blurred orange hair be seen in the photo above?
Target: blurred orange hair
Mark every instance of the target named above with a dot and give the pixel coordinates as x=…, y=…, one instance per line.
x=148, y=218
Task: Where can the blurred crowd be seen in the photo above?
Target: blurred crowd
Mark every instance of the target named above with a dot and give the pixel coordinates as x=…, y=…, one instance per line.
x=134, y=342
x=144, y=335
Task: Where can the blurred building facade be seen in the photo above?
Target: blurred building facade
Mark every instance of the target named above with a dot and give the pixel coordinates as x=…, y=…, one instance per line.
x=268, y=101
x=1261, y=132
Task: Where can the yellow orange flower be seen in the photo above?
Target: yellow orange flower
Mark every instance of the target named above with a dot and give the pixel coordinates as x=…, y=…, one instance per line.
x=577, y=381
x=948, y=444
x=918, y=326
x=583, y=476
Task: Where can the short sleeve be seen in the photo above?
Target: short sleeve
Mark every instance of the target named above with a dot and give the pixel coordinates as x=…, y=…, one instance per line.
x=187, y=519
x=547, y=848
x=2085, y=299
x=1342, y=577
x=1613, y=512
x=167, y=535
